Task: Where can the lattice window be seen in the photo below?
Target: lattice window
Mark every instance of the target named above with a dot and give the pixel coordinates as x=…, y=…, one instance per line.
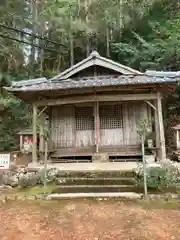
x=84, y=118
x=111, y=116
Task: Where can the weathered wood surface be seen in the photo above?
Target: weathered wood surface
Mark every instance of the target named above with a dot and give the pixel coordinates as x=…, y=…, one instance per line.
x=133, y=113
x=34, y=144
x=62, y=127
x=177, y=139
x=94, y=98
x=71, y=129
x=128, y=150
x=161, y=127
x=21, y=142
x=97, y=126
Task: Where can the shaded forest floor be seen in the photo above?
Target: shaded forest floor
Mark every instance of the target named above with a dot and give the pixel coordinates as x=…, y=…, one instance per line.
x=90, y=220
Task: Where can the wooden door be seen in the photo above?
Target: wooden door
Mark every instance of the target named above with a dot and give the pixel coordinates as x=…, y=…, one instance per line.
x=84, y=126
x=111, y=125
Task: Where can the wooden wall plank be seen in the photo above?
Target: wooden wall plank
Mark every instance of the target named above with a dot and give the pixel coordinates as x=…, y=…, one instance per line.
x=65, y=134
x=62, y=127
x=84, y=138
x=110, y=137
x=132, y=114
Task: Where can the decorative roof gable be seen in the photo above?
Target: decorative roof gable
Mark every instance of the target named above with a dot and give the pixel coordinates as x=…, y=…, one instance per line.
x=96, y=60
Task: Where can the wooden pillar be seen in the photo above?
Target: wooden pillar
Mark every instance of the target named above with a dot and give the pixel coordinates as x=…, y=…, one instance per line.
x=97, y=125
x=34, y=144
x=21, y=142
x=157, y=138
x=41, y=139
x=177, y=139
x=161, y=128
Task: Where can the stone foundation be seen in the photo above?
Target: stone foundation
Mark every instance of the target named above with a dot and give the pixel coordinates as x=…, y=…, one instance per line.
x=100, y=157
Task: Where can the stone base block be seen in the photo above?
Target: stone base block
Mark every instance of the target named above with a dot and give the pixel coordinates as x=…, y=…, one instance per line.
x=150, y=159
x=100, y=157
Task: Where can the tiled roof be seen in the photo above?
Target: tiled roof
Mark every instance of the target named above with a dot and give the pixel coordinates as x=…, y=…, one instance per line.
x=151, y=73
x=28, y=82
x=85, y=82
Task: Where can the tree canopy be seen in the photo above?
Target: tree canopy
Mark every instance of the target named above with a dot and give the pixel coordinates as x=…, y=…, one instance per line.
x=43, y=37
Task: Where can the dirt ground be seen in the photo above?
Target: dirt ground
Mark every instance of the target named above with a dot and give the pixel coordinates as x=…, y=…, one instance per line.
x=88, y=220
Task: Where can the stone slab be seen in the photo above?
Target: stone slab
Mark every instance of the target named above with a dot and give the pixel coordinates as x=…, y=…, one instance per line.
x=129, y=195
x=96, y=166
x=100, y=157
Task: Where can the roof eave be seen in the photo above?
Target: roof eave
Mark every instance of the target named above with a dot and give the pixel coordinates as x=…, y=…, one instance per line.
x=23, y=90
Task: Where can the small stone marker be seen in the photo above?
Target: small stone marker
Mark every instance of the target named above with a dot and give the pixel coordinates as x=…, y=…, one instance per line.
x=4, y=161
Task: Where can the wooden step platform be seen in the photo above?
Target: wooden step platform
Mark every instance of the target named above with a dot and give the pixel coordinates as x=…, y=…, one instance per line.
x=119, y=150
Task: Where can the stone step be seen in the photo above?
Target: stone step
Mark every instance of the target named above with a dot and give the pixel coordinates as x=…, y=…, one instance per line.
x=96, y=174
x=116, y=167
x=95, y=186
x=95, y=181
x=99, y=196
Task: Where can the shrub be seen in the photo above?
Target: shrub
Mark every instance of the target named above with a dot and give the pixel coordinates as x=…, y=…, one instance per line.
x=51, y=174
x=29, y=179
x=159, y=177
x=32, y=179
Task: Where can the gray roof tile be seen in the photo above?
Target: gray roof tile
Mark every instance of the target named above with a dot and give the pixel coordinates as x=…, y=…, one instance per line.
x=85, y=82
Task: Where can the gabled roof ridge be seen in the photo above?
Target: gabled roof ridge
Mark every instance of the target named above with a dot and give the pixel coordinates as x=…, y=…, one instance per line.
x=72, y=67
x=134, y=71
x=93, y=60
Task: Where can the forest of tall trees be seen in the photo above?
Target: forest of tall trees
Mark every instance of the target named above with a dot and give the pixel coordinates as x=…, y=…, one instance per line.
x=43, y=37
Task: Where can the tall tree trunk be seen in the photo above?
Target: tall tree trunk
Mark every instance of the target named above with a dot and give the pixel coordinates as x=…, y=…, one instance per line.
x=58, y=63
x=120, y=17
x=41, y=59
x=79, y=7
x=86, y=6
x=71, y=43
x=34, y=12
x=107, y=42
x=41, y=32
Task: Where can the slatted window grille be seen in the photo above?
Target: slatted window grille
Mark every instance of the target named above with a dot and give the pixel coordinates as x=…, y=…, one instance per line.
x=84, y=118
x=111, y=116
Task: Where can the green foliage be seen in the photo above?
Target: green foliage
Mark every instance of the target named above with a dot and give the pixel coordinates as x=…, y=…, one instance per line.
x=43, y=126
x=140, y=33
x=33, y=179
x=156, y=178
x=29, y=179
x=143, y=128
x=159, y=177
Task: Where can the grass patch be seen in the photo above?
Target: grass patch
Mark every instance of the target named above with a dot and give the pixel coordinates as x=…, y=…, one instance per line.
x=38, y=189
x=32, y=190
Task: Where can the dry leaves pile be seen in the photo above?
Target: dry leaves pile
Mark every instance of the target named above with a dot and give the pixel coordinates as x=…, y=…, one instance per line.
x=87, y=220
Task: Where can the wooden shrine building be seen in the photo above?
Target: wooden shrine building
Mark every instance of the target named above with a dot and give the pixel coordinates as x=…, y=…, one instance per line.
x=95, y=108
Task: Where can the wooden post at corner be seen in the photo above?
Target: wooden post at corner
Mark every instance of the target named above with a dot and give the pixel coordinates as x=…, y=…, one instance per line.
x=161, y=128
x=34, y=144
x=97, y=126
